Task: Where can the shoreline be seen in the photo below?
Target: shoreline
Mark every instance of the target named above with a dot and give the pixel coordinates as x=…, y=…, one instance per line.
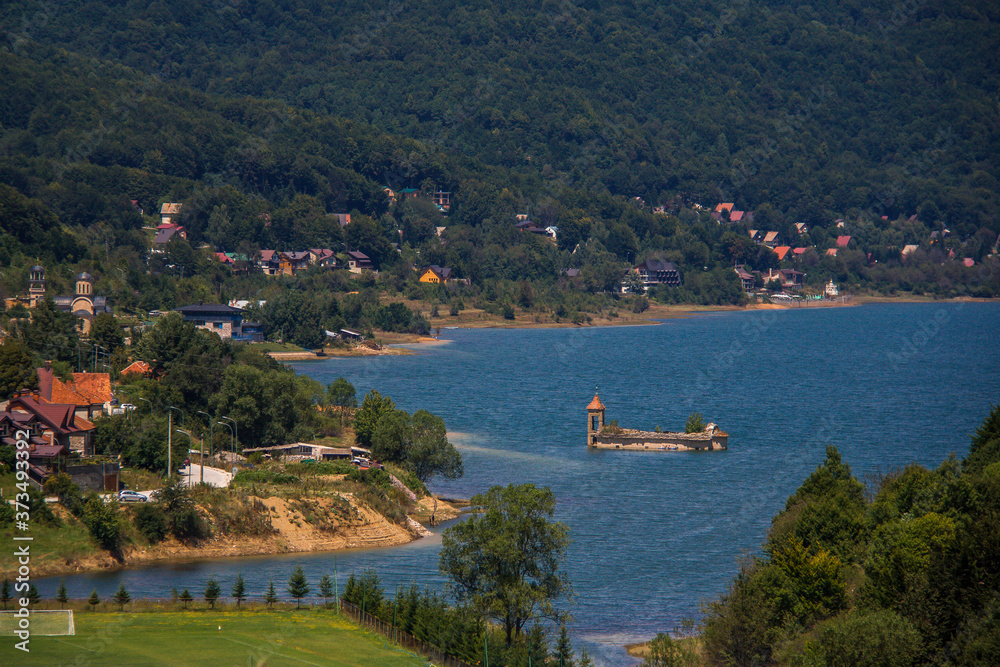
x=399, y=344
x=374, y=532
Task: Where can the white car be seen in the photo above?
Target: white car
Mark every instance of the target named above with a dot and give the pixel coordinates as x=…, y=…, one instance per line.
x=129, y=496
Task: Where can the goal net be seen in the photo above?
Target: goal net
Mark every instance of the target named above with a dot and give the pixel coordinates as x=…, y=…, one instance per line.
x=41, y=622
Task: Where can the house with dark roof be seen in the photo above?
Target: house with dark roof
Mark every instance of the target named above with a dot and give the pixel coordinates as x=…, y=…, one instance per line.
x=438, y=275
x=291, y=263
x=269, y=262
x=657, y=272
x=226, y=321
x=322, y=257
x=746, y=278
x=56, y=424
x=358, y=261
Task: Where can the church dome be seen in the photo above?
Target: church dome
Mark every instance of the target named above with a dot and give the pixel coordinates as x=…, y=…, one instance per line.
x=85, y=276
x=38, y=268
x=596, y=404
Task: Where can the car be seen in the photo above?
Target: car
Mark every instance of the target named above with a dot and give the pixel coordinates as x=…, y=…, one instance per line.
x=127, y=406
x=129, y=496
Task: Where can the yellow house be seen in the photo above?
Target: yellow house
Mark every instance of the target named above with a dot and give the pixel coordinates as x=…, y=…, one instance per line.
x=435, y=274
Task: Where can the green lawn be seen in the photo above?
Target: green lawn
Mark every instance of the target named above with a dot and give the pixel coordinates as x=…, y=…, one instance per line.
x=250, y=638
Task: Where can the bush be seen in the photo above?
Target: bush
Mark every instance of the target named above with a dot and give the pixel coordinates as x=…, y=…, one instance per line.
x=881, y=638
x=508, y=312
x=265, y=477
x=186, y=524
x=151, y=522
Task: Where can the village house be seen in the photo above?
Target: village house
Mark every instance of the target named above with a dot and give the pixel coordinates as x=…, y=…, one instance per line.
x=442, y=200
x=771, y=239
x=435, y=274
x=164, y=233
x=781, y=251
x=658, y=272
x=89, y=392
x=909, y=250
x=746, y=278
x=57, y=424
x=358, y=261
x=168, y=211
x=290, y=263
x=323, y=257
x=843, y=241
x=722, y=210
x=269, y=262
x=787, y=278
x=226, y=321
x=801, y=227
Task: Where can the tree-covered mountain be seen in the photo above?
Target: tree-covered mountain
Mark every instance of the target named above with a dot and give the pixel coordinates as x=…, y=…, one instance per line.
x=819, y=111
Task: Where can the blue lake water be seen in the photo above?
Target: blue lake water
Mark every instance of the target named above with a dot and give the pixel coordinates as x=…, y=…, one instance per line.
x=656, y=534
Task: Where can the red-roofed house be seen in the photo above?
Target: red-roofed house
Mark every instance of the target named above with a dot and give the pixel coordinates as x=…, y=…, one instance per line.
x=968, y=261
x=89, y=392
x=224, y=258
x=799, y=251
x=832, y=252
x=771, y=239
x=58, y=424
x=842, y=241
x=138, y=368
x=781, y=251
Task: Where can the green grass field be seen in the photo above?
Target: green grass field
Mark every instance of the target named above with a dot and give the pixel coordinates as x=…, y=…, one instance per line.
x=248, y=638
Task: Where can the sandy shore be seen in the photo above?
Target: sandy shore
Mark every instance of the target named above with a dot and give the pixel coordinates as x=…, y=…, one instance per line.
x=292, y=534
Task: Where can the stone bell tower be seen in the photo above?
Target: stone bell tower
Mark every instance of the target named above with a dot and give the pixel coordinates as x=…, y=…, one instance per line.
x=595, y=419
x=36, y=285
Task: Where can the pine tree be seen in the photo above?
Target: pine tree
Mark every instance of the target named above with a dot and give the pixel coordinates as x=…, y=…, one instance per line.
x=538, y=645
x=212, y=592
x=325, y=589
x=564, y=650
x=298, y=587
x=585, y=660
x=239, y=589
x=122, y=597
x=94, y=599
x=5, y=594
x=186, y=597
x=271, y=596
x=33, y=596
x=62, y=597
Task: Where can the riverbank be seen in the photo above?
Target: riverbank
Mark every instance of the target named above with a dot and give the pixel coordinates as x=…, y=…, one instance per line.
x=295, y=530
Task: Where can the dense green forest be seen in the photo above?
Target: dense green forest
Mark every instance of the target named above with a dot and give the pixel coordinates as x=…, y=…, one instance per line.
x=901, y=570
x=265, y=118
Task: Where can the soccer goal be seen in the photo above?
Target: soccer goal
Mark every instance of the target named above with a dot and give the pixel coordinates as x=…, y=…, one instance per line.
x=40, y=622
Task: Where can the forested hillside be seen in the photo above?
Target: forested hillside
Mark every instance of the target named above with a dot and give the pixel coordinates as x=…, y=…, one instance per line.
x=817, y=110
x=266, y=118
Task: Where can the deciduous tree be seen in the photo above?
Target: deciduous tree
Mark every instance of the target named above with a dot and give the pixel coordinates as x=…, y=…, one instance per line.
x=506, y=561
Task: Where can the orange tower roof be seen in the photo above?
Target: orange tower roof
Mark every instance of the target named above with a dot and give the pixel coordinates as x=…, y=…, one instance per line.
x=596, y=404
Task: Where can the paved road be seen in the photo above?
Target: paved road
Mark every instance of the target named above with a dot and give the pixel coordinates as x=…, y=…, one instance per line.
x=213, y=476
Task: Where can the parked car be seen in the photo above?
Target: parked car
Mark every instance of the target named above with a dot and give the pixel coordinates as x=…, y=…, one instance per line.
x=129, y=496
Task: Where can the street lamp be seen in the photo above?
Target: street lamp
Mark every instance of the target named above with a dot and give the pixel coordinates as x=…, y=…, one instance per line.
x=211, y=431
x=170, y=447
x=232, y=442
x=237, y=427
x=188, y=434
x=148, y=401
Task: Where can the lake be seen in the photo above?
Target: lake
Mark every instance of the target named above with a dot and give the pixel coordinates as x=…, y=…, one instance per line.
x=656, y=534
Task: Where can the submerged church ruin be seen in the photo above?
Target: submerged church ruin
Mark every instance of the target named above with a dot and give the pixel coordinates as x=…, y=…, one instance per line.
x=607, y=436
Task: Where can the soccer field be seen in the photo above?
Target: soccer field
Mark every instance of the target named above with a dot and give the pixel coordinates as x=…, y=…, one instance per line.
x=202, y=637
